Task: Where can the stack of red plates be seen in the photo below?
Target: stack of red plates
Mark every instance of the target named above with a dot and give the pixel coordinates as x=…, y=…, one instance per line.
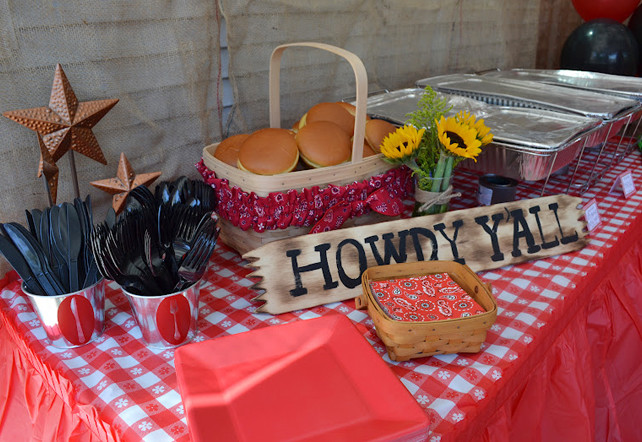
x=316, y=379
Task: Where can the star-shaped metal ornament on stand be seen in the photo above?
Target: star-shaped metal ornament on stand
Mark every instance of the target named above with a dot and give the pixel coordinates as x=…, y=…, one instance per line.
x=124, y=182
x=49, y=168
x=66, y=124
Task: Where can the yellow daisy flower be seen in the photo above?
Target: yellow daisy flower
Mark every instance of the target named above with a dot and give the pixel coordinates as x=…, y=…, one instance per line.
x=458, y=137
x=402, y=143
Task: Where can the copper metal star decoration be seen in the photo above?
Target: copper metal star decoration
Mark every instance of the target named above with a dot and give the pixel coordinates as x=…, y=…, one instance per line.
x=124, y=182
x=49, y=168
x=65, y=124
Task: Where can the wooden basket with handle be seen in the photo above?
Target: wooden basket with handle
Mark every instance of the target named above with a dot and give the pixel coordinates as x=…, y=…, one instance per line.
x=406, y=340
x=357, y=169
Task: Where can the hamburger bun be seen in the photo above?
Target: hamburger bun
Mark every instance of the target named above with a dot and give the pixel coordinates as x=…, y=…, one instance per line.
x=228, y=149
x=376, y=131
x=323, y=143
x=269, y=152
x=333, y=112
x=352, y=109
x=368, y=151
x=302, y=121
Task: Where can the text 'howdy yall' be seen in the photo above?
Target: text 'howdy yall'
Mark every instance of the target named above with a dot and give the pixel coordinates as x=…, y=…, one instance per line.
x=310, y=270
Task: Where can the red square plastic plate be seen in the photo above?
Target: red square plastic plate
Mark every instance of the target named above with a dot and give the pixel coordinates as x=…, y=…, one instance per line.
x=317, y=379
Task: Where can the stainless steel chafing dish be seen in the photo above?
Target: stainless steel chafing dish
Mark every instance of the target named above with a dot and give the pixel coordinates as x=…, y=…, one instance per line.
x=614, y=111
x=617, y=85
x=626, y=87
x=529, y=144
x=532, y=94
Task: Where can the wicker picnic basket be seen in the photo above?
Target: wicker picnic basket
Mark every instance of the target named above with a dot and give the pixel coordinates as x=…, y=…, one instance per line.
x=407, y=340
x=232, y=184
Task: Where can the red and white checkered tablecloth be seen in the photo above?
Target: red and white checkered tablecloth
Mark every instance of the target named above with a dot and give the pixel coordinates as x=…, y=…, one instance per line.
x=134, y=390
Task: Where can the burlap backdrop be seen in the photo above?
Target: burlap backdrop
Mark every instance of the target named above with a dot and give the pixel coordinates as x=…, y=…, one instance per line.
x=161, y=59
x=399, y=41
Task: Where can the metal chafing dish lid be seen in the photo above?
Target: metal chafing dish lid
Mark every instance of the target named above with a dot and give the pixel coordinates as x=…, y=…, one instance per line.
x=628, y=87
x=524, y=93
x=532, y=128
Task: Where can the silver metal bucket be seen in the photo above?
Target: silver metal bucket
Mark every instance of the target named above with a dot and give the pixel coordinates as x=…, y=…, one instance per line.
x=167, y=321
x=72, y=319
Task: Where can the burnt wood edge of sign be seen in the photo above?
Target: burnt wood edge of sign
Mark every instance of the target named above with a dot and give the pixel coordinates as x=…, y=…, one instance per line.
x=266, y=251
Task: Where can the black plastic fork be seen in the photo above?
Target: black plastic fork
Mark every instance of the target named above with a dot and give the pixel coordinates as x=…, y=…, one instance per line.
x=195, y=262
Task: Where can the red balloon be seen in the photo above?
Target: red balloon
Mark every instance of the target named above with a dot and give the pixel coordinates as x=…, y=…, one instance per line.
x=618, y=10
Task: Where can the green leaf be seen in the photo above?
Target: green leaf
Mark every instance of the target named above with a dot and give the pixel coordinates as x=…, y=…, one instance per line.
x=430, y=109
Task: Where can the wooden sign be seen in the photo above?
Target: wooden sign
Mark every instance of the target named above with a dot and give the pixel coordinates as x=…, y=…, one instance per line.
x=310, y=270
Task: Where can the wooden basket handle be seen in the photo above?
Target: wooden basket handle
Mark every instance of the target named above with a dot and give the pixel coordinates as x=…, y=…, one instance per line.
x=361, y=302
x=361, y=79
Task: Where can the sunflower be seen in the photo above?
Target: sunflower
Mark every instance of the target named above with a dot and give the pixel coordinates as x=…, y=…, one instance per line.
x=483, y=131
x=402, y=143
x=458, y=137
x=466, y=118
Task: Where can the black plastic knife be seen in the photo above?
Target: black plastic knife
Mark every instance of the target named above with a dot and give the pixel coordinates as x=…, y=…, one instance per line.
x=35, y=216
x=57, y=256
x=35, y=257
x=31, y=223
x=69, y=241
x=85, y=258
x=19, y=264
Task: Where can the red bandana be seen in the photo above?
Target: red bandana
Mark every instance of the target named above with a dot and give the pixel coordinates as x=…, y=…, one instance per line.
x=325, y=208
x=424, y=298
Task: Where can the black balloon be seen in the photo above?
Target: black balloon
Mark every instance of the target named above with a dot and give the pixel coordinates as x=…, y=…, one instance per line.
x=601, y=45
x=635, y=25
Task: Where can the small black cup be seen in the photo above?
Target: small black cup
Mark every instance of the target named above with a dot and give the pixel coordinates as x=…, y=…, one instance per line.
x=494, y=189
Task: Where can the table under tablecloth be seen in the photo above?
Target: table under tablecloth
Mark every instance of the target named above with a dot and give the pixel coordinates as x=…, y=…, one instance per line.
x=563, y=361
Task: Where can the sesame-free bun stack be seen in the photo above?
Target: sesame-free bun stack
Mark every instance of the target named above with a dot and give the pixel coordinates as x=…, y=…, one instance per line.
x=322, y=137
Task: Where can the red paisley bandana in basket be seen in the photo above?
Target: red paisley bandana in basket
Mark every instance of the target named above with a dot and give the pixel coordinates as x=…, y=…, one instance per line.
x=324, y=208
x=424, y=298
